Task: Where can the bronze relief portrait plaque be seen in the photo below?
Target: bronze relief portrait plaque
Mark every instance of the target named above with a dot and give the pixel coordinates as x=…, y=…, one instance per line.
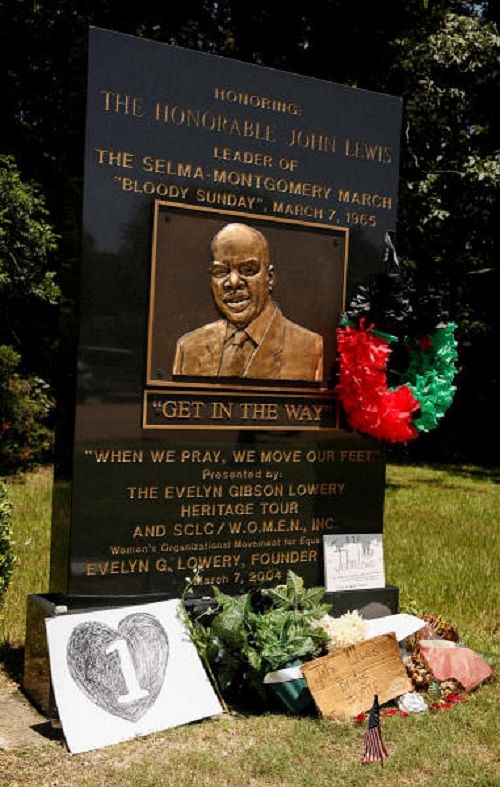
x=241, y=302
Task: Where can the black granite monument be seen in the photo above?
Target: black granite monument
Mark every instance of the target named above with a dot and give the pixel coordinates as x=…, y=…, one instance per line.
x=229, y=210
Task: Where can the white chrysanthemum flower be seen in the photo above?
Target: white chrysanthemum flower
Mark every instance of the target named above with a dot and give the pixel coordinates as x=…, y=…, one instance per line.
x=345, y=631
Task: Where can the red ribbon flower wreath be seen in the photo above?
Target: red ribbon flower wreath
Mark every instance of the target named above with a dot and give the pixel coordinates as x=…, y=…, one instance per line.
x=372, y=407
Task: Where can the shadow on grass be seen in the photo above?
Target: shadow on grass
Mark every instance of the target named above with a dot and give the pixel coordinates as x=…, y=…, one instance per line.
x=12, y=660
x=491, y=474
x=49, y=730
x=465, y=472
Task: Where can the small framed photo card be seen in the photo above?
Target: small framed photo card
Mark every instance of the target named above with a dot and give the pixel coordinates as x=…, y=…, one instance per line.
x=353, y=561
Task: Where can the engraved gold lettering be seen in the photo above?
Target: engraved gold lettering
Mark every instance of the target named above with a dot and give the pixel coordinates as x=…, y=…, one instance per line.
x=226, y=198
x=288, y=557
x=240, y=543
x=115, y=158
x=122, y=103
x=298, y=210
x=207, y=561
x=162, y=455
x=263, y=411
x=135, y=550
x=256, y=490
x=216, y=509
x=305, y=412
x=357, y=455
x=279, y=525
x=366, y=199
x=142, y=492
x=178, y=169
x=322, y=523
x=358, y=148
x=245, y=455
x=194, y=529
x=255, y=180
x=320, y=455
x=231, y=475
x=280, y=455
x=116, y=455
x=244, y=156
x=312, y=489
x=197, y=455
x=312, y=140
x=161, y=565
x=221, y=411
x=192, y=491
x=255, y=101
x=149, y=531
x=283, y=507
x=210, y=121
x=103, y=568
x=150, y=187
x=181, y=409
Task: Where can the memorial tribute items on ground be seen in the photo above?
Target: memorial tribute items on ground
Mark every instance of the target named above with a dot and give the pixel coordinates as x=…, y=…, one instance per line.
x=343, y=684
x=353, y=561
x=260, y=647
x=374, y=745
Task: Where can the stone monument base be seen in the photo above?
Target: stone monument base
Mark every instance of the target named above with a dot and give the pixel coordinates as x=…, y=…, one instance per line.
x=370, y=603
x=37, y=684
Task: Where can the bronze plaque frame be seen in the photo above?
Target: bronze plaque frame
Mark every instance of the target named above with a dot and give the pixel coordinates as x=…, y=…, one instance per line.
x=181, y=233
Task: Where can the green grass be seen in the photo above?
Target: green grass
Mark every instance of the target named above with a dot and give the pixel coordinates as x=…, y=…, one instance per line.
x=441, y=542
x=441, y=546
x=31, y=497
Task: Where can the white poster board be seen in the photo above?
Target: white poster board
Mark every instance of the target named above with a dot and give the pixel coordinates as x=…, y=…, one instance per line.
x=353, y=561
x=402, y=624
x=123, y=672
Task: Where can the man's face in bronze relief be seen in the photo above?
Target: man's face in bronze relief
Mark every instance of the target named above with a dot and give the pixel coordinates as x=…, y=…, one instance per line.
x=241, y=277
x=254, y=339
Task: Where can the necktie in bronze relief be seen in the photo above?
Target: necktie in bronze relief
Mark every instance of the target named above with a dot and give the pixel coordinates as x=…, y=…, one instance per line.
x=234, y=355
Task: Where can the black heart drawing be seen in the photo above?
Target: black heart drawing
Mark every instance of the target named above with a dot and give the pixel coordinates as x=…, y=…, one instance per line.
x=120, y=670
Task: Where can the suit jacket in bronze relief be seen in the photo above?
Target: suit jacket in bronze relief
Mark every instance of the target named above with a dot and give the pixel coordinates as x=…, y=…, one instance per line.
x=286, y=352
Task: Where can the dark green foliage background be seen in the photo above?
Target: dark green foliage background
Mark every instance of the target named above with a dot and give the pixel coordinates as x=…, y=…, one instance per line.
x=440, y=56
x=27, y=292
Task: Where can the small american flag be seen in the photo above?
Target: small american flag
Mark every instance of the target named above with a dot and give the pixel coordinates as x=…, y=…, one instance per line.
x=374, y=745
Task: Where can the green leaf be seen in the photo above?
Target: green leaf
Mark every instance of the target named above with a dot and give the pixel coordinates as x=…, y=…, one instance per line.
x=295, y=584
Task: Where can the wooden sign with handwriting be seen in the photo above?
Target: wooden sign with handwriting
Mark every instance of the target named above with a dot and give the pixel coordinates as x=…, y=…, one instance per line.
x=344, y=683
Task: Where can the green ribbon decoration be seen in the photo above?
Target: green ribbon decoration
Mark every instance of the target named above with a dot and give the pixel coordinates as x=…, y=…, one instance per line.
x=430, y=375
